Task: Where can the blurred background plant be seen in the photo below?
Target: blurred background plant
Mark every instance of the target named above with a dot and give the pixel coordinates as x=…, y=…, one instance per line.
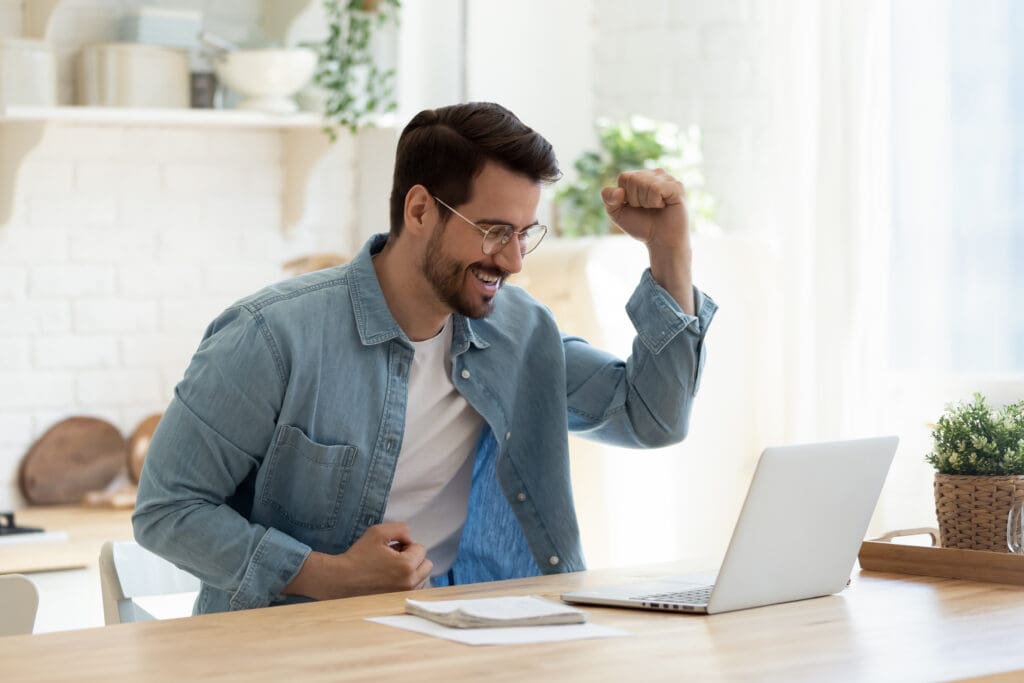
x=633, y=143
x=356, y=86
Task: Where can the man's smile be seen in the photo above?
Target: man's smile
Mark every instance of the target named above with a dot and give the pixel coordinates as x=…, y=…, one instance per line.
x=490, y=280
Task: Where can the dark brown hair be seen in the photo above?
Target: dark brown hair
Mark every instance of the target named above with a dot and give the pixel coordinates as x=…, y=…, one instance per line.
x=444, y=149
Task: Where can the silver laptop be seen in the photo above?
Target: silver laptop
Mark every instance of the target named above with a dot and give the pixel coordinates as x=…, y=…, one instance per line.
x=797, y=536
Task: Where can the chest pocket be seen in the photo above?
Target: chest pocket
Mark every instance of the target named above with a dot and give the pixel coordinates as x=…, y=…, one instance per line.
x=306, y=480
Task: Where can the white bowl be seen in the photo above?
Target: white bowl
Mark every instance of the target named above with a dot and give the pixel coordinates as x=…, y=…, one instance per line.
x=267, y=78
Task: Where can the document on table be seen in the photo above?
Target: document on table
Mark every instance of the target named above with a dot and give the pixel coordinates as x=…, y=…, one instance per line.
x=515, y=610
x=519, y=609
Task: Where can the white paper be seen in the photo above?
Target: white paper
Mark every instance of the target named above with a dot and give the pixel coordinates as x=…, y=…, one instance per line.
x=501, y=636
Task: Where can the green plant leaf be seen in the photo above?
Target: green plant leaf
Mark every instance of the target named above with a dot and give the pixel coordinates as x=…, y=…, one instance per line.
x=973, y=438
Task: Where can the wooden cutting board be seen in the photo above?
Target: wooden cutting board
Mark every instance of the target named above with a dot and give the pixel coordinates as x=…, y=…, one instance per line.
x=76, y=455
x=138, y=444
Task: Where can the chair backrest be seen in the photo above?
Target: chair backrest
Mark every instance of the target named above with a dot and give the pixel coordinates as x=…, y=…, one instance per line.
x=129, y=571
x=19, y=601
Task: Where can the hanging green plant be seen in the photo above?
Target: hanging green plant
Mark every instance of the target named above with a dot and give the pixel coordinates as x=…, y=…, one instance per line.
x=356, y=87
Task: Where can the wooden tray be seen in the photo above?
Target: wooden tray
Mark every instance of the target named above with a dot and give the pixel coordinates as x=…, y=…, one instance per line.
x=949, y=563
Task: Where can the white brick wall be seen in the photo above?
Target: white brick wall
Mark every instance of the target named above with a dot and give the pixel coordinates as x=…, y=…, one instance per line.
x=114, y=315
x=125, y=243
x=28, y=389
x=22, y=318
x=14, y=353
x=15, y=429
x=74, y=352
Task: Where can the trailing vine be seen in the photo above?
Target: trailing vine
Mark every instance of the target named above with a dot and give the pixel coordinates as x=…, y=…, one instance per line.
x=357, y=87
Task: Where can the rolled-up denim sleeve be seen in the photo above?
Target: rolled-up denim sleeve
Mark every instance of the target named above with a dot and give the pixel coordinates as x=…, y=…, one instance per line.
x=644, y=401
x=210, y=441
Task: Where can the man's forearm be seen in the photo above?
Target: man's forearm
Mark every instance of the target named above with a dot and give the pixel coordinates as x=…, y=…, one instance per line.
x=672, y=269
x=383, y=560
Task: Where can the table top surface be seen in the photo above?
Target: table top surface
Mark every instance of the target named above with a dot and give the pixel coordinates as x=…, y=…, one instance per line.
x=883, y=627
x=86, y=528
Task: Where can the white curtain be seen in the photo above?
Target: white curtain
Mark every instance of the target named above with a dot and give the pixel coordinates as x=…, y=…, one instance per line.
x=956, y=324
x=961, y=212
x=827, y=186
x=897, y=201
x=829, y=206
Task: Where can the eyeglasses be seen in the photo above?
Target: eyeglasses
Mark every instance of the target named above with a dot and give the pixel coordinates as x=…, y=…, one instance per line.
x=496, y=237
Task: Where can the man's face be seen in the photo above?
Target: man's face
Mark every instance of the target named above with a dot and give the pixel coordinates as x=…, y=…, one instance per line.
x=462, y=276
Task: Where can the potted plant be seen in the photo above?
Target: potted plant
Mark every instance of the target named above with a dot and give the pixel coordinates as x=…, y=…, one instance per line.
x=634, y=143
x=354, y=85
x=979, y=461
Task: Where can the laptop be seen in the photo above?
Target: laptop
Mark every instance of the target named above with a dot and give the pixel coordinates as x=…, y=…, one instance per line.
x=797, y=536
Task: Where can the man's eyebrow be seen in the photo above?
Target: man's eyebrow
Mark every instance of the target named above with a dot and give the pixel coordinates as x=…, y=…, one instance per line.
x=502, y=221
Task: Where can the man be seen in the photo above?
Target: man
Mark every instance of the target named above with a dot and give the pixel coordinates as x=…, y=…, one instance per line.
x=403, y=418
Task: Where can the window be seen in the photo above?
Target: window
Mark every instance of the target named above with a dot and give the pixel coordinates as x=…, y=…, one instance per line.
x=957, y=257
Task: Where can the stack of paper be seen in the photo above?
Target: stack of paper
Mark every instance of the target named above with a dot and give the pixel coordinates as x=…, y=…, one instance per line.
x=525, y=610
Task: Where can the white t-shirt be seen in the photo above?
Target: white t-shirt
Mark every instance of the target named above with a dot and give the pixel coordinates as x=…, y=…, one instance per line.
x=430, y=490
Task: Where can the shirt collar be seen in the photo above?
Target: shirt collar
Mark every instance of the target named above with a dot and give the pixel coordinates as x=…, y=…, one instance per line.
x=465, y=334
x=373, y=318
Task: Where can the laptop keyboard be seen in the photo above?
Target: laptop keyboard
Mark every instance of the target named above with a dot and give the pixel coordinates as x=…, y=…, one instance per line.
x=693, y=596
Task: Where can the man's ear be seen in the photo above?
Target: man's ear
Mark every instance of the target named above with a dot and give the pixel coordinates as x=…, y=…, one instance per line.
x=419, y=205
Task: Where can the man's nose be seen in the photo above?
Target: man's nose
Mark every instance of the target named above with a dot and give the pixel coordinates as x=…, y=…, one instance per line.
x=509, y=258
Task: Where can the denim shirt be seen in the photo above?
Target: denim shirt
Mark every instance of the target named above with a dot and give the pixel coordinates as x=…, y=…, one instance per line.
x=283, y=435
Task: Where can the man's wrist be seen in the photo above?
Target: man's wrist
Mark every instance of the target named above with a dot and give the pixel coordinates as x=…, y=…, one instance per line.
x=314, y=577
x=672, y=269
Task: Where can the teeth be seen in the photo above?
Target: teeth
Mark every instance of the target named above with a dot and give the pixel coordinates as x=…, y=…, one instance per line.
x=484, y=277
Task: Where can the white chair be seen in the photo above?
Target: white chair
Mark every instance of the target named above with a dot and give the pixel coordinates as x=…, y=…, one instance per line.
x=128, y=572
x=19, y=601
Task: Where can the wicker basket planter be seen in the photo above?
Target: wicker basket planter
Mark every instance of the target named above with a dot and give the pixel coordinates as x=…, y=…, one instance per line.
x=972, y=510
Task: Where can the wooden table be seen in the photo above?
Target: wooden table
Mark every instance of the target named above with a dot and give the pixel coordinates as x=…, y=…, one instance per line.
x=86, y=528
x=885, y=627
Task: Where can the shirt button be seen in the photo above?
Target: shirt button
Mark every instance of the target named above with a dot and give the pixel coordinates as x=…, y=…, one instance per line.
x=553, y=560
x=521, y=497
x=465, y=374
x=508, y=435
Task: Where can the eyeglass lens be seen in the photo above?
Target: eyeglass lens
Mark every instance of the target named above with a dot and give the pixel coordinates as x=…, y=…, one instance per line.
x=497, y=238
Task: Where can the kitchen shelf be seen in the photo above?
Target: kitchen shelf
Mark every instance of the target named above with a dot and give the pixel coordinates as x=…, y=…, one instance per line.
x=307, y=154
x=122, y=116
x=276, y=16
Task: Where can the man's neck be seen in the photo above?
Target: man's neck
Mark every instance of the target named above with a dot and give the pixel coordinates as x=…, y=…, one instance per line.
x=409, y=296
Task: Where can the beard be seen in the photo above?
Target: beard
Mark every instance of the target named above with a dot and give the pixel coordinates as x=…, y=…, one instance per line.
x=448, y=277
